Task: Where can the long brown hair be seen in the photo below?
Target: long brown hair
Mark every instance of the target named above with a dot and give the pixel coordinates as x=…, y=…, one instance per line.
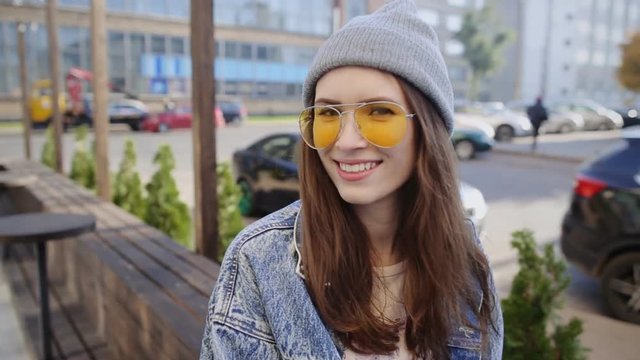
x=443, y=264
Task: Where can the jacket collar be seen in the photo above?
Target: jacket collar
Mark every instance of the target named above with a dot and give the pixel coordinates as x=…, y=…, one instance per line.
x=297, y=243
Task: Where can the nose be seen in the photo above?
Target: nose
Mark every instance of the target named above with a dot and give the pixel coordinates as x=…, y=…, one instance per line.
x=350, y=138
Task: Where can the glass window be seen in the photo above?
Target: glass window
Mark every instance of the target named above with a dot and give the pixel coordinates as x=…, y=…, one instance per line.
x=78, y=3
x=230, y=49
x=179, y=8
x=261, y=52
x=135, y=80
x=158, y=44
x=459, y=3
x=429, y=16
x=177, y=45
x=116, y=5
x=245, y=51
x=117, y=61
x=454, y=23
x=280, y=147
x=454, y=47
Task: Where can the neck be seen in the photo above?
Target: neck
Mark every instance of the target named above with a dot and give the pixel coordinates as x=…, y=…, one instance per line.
x=381, y=221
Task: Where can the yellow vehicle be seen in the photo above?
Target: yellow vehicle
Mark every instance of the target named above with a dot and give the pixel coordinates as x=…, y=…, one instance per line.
x=40, y=103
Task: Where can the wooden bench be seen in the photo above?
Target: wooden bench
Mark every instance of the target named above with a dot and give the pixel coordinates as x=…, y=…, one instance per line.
x=124, y=291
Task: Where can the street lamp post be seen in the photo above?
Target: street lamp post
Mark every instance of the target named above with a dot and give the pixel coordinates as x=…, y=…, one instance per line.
x=26, y=114
x=56, y=118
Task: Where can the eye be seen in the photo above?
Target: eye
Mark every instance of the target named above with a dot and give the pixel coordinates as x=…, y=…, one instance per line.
x=380, y=111
x=326, y=112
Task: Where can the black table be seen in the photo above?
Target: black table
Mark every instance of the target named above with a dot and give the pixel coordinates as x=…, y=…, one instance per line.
x=38, y=228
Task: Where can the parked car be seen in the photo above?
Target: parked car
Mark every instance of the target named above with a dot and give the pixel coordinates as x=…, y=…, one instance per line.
x=559, y=121
x=234, y=111
x=506, y=123
x=596, y=116
x=177, y=117
x=630, y=116
x=468, y=142
x=267, y=174
x=601, y=229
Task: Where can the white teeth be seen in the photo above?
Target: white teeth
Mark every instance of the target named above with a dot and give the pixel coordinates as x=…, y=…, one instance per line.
x=357, y=167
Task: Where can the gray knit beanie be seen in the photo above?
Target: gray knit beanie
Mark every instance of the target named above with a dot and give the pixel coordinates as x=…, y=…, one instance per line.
x=393, y=39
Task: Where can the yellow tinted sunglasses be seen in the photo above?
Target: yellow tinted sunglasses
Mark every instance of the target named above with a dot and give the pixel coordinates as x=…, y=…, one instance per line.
x=381, y=123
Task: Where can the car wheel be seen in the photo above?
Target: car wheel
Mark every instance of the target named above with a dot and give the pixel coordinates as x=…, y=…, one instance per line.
x=621, y=287
x=236, y=121
x=465, y=150
x=504, y=133
x=134, y=125
x=163, y=127
x=566, y=128
x=246, y=204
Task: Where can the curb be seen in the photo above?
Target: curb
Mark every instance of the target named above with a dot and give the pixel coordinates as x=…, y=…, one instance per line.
x=568, y=159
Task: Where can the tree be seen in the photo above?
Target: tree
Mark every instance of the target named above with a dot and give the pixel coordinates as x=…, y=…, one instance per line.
x=165, y=210
x=229, y=217
x=629, y=70
x=483, y=40
x=127, y=186
x=48, y=155
x=83, y=169
x=530, y=310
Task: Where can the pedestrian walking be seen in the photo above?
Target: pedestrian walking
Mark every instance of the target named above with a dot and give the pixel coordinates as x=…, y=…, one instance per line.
x=537, y=114
x=376, y=261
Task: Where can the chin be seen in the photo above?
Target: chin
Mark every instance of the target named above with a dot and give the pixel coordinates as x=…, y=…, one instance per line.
x=358, y=197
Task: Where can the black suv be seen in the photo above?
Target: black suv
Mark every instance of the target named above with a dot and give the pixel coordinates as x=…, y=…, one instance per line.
x=234, y=112
x=601, y=229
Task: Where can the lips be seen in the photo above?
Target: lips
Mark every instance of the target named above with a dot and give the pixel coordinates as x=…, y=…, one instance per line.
x=354, y=170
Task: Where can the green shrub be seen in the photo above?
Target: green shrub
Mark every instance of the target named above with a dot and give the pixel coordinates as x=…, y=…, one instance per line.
x=164, y=209
x=229, y=218
x=127, y=186
x=530, y=310
x=48, y=155
x=83, y=169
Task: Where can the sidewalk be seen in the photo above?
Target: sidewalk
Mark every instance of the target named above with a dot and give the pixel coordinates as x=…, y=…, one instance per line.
x=573, y=148
x=12, y=344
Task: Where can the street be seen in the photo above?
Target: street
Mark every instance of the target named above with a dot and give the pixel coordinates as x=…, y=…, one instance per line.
x=521, y=192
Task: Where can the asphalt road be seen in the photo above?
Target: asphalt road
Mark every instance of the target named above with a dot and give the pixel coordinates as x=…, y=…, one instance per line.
x=521, y=192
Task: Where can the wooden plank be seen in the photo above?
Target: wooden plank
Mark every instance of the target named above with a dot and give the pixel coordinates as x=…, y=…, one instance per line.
x=54, y=76
x=177, y=289
x=65, y=339
x=127, y=285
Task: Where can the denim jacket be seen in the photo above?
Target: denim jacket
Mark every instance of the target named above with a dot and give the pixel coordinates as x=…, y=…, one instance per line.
x=260, y=307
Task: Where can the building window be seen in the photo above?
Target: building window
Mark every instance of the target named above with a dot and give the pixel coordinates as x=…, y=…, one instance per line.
x=458, y=3
x=454, y=48
x=230, y=49
x=454, y=23
x=246, y=51
x=158, y=44
x=567, y=42
x=177, y=45
x=261, y=52
x=429, y=16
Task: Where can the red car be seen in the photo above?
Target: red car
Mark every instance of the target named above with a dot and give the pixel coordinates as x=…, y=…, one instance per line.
x=179, y=117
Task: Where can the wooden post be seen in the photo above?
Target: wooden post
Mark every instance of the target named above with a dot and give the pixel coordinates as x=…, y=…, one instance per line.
x=204, y=146
x=100, y=99
x=54, y=70
x=24, y=87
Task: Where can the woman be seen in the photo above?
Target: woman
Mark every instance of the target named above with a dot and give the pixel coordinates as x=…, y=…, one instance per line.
x=376, y=261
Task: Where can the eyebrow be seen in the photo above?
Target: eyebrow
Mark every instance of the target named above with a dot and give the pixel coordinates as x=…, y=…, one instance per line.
x=327, y=101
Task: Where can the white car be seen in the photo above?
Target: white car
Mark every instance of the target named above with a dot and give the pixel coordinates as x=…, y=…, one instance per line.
x=506, y=123
x=474, y=204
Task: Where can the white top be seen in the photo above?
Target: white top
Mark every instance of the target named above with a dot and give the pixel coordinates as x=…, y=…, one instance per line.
x=387, y=302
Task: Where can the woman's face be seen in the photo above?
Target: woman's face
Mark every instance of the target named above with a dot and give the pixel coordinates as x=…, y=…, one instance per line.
x=388, y=168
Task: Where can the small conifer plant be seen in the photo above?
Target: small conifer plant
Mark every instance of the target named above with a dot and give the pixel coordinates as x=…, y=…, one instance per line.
x=530, y=310
x=229, y=217
x=165, y=211
x=48, y=155
x=127, y=186
x=83, y=169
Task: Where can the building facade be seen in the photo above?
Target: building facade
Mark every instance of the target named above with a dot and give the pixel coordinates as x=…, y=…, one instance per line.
x=565, y=49
x=263, y=47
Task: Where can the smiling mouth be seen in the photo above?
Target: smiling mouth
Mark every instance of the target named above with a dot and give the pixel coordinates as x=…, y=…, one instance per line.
x=359, y=167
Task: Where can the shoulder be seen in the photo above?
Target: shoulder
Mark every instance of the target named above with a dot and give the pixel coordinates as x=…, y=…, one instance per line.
x=267, y=233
